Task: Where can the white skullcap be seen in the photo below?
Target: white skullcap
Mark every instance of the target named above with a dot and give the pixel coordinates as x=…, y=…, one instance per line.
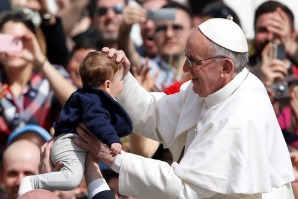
x=225, y=33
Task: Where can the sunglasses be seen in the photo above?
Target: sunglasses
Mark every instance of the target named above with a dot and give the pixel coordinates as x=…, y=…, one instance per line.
x=103, y=10
x=164, y=28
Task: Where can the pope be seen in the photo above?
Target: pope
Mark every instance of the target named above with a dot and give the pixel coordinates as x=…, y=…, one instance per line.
x=221, y=127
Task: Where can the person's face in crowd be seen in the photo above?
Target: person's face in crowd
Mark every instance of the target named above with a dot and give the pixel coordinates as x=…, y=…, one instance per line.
x=148, y=28
x=73, y=67
x=206, y=76
x=262, y=33
x=171, y=36
x=12, y=60
x=20, y=159
x=109, y=17
x=117, y=84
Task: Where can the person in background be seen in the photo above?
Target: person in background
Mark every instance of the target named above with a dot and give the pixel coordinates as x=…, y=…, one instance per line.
x=77, y=55
x=31, y=132
x=223, y=144
x=133, y=15
x=52, y=28
x=274, y=60
x=273, y=25
x=94, y=105
x=107, y=19
x=33, y=90
x=219, y=10
x=197, y=7
x=170, y=37
x=20, y=159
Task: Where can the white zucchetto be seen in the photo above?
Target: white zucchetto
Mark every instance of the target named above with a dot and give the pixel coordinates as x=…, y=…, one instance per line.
x=225, y=33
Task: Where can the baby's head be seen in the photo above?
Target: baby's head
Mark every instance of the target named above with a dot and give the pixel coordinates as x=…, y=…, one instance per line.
x=98, y=70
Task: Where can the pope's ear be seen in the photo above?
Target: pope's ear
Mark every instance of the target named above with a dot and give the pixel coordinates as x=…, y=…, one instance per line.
x=228, y=66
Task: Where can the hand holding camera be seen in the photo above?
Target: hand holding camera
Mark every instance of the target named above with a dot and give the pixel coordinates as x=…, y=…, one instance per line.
x=133, y=15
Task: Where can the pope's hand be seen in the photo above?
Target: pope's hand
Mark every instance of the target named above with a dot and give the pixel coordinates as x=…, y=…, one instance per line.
x=89, y=142
x=120, y=57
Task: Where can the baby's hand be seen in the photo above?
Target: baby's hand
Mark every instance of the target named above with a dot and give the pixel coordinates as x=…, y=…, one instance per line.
x=115, y=149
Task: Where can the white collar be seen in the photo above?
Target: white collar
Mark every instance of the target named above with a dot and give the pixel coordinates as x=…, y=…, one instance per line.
x=227, y=90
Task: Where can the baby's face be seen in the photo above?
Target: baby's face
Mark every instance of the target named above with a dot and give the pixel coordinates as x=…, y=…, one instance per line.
x=117, y=84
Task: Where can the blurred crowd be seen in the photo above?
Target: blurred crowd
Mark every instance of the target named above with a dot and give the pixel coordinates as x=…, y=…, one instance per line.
x=36, y=81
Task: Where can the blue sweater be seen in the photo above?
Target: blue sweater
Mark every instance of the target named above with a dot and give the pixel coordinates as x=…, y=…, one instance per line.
x=102, y=115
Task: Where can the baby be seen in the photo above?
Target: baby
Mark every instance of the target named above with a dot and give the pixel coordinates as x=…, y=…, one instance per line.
x=94, y=106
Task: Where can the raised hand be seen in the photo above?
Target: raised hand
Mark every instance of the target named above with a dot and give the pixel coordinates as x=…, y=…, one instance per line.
x=272, y=69
x=142, y=74
x=132, y=15
x=46, y=165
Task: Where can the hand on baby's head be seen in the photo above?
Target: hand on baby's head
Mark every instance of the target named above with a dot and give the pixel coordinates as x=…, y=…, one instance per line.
x=115, y=149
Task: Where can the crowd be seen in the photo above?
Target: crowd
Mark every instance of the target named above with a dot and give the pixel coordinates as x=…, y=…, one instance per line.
x=149, y=132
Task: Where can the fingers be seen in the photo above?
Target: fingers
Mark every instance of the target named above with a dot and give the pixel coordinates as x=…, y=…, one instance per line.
x=134, y=70
x=120, y=57
x=111, y=52
x=133, y=15
x=46, y=165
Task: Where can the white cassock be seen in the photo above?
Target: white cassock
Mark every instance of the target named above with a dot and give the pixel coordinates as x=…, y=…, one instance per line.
x=234, y=147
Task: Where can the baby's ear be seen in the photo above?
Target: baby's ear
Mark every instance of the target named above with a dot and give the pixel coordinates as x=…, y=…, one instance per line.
x=107, y=84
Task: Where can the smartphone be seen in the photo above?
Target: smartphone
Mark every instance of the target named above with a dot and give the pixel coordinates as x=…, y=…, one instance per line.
x=278, y=51
x=10, y=43
x=161, y=14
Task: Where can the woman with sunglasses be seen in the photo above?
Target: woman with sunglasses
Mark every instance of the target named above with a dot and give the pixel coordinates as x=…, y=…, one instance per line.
x=32, y=89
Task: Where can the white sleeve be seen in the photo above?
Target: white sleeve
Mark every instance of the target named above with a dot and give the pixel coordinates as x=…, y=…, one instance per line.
x=148, y=178
x=96, y=186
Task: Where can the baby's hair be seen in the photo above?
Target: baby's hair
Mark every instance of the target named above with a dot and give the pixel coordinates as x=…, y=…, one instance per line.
x=97, y=67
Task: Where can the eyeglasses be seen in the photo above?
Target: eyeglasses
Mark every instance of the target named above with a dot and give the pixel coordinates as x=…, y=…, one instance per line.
x=190, y=62
x=164, y=28
x=103, y=10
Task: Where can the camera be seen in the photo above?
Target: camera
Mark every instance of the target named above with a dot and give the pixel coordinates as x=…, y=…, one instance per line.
x=161, y=14
x=10, y=43
x=281, y=90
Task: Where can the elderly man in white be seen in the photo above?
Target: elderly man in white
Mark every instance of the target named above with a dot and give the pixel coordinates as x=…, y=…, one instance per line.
x=221, y=123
